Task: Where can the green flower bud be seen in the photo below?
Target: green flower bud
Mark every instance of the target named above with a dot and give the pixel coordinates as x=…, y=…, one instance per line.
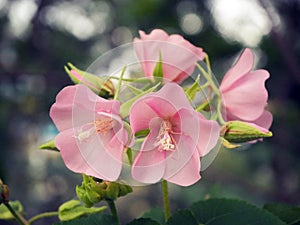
x=239, y=132
x=112, y=191
x=124, y=189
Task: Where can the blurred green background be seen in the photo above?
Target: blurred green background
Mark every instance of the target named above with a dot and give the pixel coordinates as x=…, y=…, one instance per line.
x=37, y=38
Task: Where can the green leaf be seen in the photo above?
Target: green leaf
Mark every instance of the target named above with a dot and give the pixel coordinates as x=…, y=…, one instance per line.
x=231, y=212
x=95, y=219
x=142, y=133
x=5, y=214
x=143, y=221
x=158, y=70
x=50, y=145
x=193, y=89
x=183, y=217
x=288, y=214
x=156, y=214
x=72, y=209
x=125, y=107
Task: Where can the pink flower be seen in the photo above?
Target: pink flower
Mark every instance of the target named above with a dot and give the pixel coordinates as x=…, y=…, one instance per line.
x=92, y=136
x=178, y=137
x=178, y=55
x=243, y=92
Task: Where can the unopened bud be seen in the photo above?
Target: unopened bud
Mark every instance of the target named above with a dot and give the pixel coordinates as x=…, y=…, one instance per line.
x=101, y=87
x=240, y=132
x=4, y=193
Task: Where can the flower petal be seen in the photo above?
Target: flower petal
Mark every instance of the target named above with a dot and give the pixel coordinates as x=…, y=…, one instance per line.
x=243, y=65
x=178, y=55
x=247, y=97
x=149, y=164
x=189, y=174
x=89, y=155
x=265, y=120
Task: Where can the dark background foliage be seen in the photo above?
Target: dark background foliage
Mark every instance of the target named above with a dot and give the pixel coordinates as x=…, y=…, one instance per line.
x=37, y=38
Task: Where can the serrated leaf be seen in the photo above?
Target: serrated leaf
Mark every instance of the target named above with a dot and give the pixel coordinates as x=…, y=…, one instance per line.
x=143, y=221
x=95, y=219
x=156, y=214
x=288, y=214
x=183, y=217
x=231, y=212
x=50, y=145
x=5, y=214
x=72, y=209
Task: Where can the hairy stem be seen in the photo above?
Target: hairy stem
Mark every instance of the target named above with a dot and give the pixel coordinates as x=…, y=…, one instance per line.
x=113, y=209
x=41, y=216
x=19, y=218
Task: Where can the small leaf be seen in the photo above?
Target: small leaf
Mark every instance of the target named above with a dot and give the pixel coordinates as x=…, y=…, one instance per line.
x=5, y=214
x=183, y=217
x=143, y=221
x=95, y=219
x=231, y=212
x=142, y=133
x=158, y=70
x=288, y=214
x=72, y=209
x=50, y=145
x=156, y=214
x=193, y=89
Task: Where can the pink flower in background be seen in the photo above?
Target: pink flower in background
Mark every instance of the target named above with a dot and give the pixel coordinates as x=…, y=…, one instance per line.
x=92, y=136
x=243, y=92
x=178, y=137
x=178, y=55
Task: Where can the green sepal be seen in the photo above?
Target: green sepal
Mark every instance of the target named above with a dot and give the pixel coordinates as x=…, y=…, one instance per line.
x=158, y=69
x=112, y=191
x=5, y=214
x=142, y=133
x=103, y=88
x=73, y=209
x=50, y=145
x=193, y=89
x=129, y=155
x=239, y=132
x=125, y=107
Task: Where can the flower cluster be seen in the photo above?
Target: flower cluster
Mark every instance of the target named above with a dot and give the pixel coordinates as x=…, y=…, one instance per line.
x=97, y=130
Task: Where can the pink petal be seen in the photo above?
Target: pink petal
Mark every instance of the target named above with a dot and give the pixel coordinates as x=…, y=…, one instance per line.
x=189, y=174
x=88, y=156
x=265, y=120
x=243, y=65
x=178, y=55
x=247, y=97
x=149, y=164
x=176, y=160
x=141, y=114
x=61, y=110
x=208, y=136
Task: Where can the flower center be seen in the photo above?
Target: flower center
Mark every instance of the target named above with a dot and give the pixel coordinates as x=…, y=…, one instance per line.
x=165, y=140
x=103, y=125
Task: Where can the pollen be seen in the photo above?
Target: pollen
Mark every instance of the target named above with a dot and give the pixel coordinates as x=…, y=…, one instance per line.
x=165, y=140
x=103, y=125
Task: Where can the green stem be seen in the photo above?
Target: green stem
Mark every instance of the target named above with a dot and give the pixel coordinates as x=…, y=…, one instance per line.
x=164, y=185
x=19, y=218
x=41, y=216
x=209, y=79
x=113, y=209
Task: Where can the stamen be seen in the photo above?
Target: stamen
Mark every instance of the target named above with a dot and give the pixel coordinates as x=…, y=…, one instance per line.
x=103, y=125
x=165, y=141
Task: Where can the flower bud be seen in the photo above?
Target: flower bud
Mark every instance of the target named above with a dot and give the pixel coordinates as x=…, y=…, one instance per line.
x=101, y=87
x=240, y=132
x=4, y=193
